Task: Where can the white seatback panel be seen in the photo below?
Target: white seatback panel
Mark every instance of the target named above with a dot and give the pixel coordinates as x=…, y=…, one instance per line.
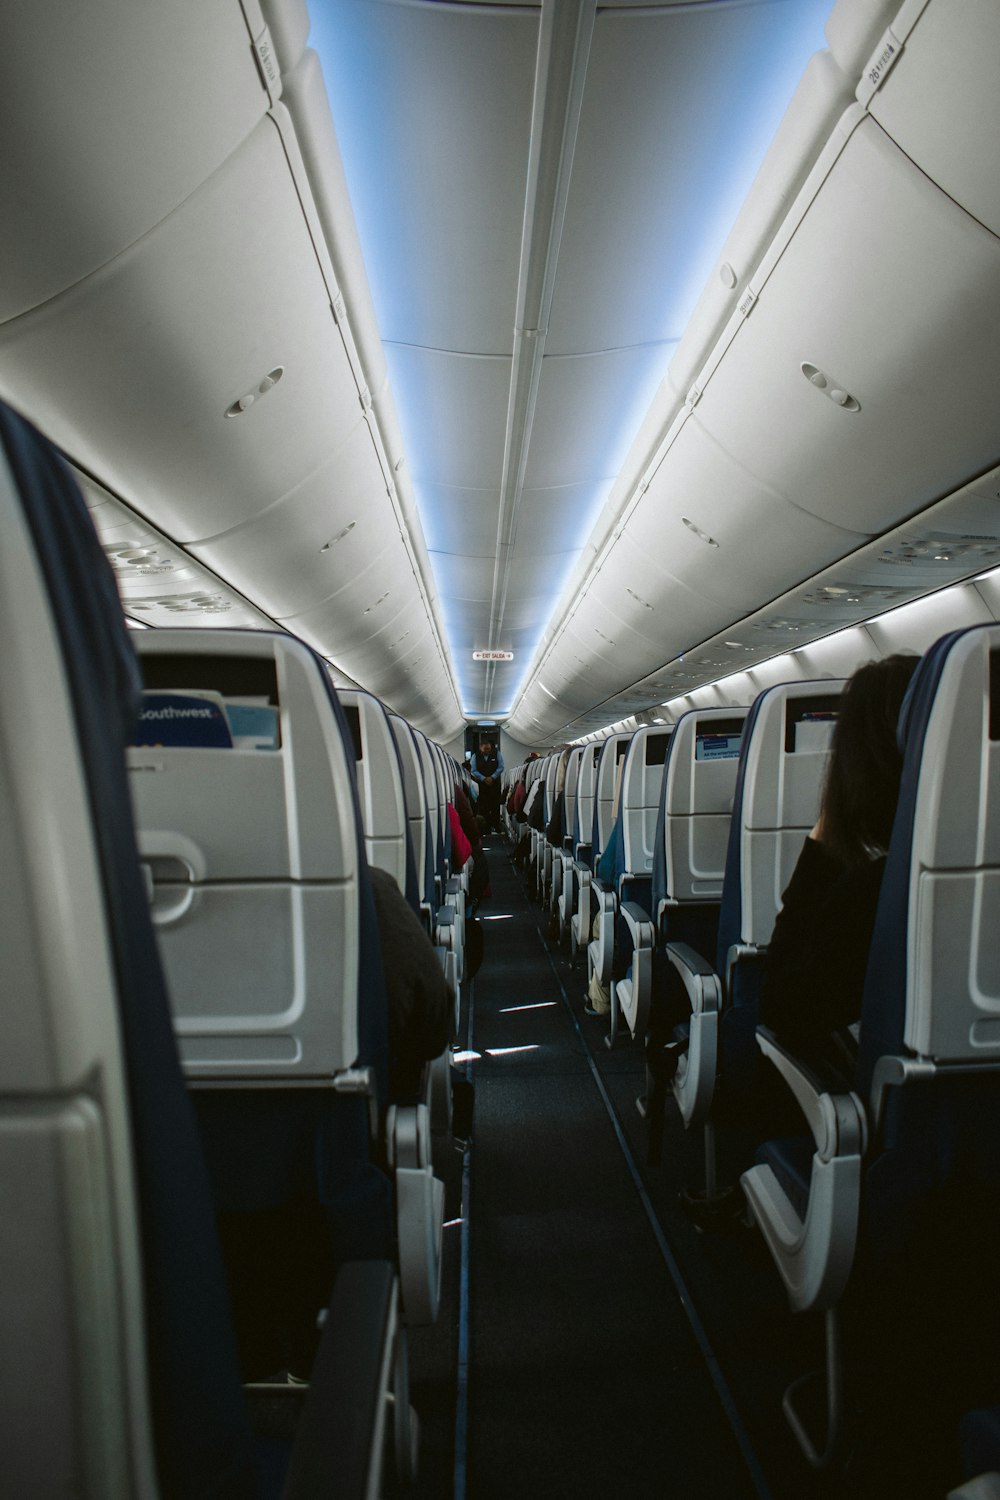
x=252, y=858
x=414, y=793
x=380, y=784
x=701, y=781
x=953, y=978
x=786, y=762
x=613, y=751
x=641, y=783
x=572, y=787
x=587, y=790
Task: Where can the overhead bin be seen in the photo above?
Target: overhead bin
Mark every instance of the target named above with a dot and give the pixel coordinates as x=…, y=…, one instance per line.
x=861, y=384
x=732, y=537
x=103, y=89
x=943, y=107
x=197, y=316
x=340, y=517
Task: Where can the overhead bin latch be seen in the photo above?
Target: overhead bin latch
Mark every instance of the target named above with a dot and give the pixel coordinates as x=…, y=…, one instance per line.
x=267, y=62
x=747, y=303
x=879, y=65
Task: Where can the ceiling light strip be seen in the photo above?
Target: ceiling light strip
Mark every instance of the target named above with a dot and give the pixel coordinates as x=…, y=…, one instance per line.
x=565, y=35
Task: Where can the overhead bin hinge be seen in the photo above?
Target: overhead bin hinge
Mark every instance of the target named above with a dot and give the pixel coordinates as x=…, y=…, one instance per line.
x=339, y=310
x=879, y=66
x=365, y=397
x=692, y=398
x=267, y=64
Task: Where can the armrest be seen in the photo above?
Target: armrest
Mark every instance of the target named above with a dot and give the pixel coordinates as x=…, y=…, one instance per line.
x=694, y=1081
x=814, y=1254
x=632, y=994
x=836, y=1120
x=636, y=919
x=700, y=979
x=339, y=1435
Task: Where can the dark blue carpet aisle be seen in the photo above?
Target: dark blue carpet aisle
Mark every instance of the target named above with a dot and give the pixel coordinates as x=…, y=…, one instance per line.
x=585, y=1376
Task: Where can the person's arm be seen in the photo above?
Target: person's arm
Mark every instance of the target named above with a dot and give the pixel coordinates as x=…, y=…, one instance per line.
x=474, y=770
x=421, y=1003
x=818, y=953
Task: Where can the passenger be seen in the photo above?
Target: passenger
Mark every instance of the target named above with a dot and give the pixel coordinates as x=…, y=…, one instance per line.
x=818, y=954
x=597, y=1000
x=479, y=879
x=486, y=767
x=515, y=806
x=816, y=961
x=421, y=1003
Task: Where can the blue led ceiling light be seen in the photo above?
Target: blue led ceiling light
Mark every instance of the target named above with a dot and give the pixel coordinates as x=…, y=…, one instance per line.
x=402, y=107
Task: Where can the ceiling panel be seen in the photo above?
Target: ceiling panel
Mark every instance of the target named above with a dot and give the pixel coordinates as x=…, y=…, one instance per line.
x=459, y=519
x=431, y=103
x=547, y=517
x=453, y=413
x=460, y=577
x=691, y=71
x=589, y=407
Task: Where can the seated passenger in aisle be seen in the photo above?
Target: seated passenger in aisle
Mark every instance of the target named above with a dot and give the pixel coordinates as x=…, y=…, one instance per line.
x=479, y=877
x=818, y=953
x=421, y=1004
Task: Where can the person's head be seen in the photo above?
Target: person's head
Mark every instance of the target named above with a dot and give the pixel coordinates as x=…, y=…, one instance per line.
x=486, y=747
x=862, y=778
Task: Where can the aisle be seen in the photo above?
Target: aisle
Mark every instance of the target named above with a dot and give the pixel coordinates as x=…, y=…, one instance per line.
x=585, y=1378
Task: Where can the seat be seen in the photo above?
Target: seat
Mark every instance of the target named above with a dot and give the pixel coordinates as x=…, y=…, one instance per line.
x=564, y=886
x=382, y=798
x=784, y=748
x=418, y=815
x=608, y=756
x=689, y=855
x=901, y=1179
x=380, y=786
x=118, y=1369
x=447, y=912
x=550, y=874
x=263, y=909
x=582, y=832
x=632, y=840
x=536, y=835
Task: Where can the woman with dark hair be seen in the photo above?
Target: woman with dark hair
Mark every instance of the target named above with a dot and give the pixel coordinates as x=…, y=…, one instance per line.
x=818, y=953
